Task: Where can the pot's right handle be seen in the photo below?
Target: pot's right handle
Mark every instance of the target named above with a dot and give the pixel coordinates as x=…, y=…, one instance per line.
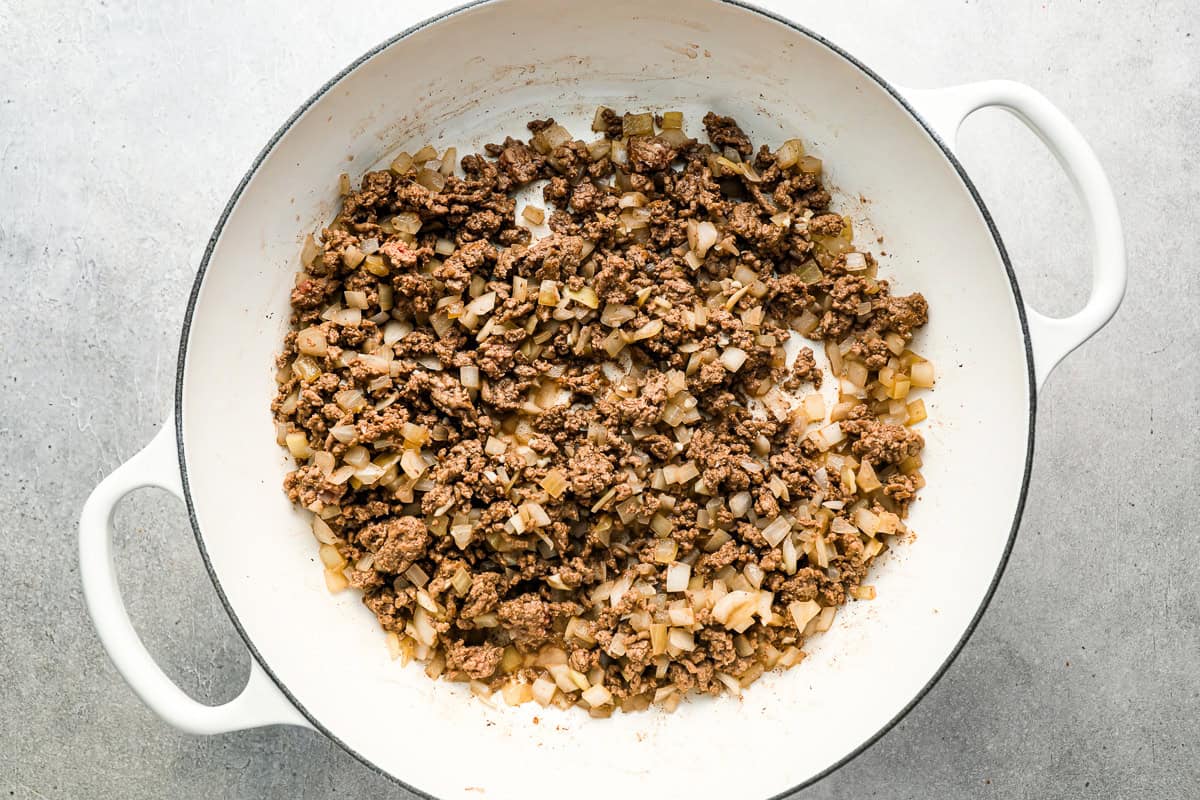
x=260, y=703
x=945, y=109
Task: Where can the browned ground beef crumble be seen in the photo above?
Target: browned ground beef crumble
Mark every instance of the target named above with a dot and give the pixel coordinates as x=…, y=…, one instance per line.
x=587, y=461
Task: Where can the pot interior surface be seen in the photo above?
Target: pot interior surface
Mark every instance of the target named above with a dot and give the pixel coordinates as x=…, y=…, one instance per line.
x=474, y=77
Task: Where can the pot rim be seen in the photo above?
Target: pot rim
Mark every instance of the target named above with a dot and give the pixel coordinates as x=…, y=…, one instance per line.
x=745, y=6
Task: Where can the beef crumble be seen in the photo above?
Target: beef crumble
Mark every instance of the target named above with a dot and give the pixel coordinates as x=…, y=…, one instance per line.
x=597, y=468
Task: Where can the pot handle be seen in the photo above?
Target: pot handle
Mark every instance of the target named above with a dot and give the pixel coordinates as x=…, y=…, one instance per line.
x=1053, y=338
x=260, y=702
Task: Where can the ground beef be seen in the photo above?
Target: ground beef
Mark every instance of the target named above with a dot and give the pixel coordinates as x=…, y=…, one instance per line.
x=397, y=543
x=477, y=661
x=724, y=132
x=826, y=225
x=650, y=154
x=517, y=161
x=482, y=597
x=526, y=618
x=878, y=442
x=610, y=123
x=591, y=471
x=511, y=445
x=903, y=315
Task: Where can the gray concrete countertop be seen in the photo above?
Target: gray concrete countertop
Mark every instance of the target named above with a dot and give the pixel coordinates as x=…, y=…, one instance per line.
x=124, y=126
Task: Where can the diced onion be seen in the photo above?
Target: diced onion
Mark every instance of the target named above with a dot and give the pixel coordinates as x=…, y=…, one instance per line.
x=548, y=293
x=432, y=180
x=553, y=137
x=790, y=556
x=309, y=252
x=322, y=531
x=343, y=433
x=661, y=525
x=855, y=262
x=802, y=611
x=810, y=165
x=862, y=592
x=396, y=330
x=632, y=200
x=555, y=483
x=825, y=619
x=827, y=437
x=775, y=532
x=543, y=690
x=701, y=236
x=356, y=456
x=614, y=315
x=341, y=475
x=599, y=124
x=483, y=304
x=312, y=342
x=369, y=473
x=681, y=640
x=401, y=164
x=649, y=330
x=814, y=407
x=842, y=525
x=733, y=358
x=635, y=218
x=678, y=576
x=448, y=159
x=335, y=581
x=810, y=273
x=585, y=296
x=922, y=374
x=665, y=550
x=735, y=605
x=618, y=153
x=638, y=124
x=331, y=557
x=596, y=696
x=915, y=412
x=374, y=265
x=297, y=445
x=349, y=317
x=352, y=256
x=413, y=465
x=350, y=400
x=789, y=153
x=807, y=322
x=740, y=503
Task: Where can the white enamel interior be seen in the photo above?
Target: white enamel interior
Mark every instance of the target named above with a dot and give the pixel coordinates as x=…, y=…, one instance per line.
x=472, y=78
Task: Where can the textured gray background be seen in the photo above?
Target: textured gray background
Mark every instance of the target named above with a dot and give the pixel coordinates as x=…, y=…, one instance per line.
x=125, y=125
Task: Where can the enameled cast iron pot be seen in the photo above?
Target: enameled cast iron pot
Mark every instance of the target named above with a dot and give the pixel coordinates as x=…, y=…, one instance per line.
x=472, y=76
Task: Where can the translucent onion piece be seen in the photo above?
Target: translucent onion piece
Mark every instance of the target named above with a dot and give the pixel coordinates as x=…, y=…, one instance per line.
x=312, y=342
x=701, y=236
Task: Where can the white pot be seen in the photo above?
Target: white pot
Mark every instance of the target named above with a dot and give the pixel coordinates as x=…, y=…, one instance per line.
x=472, y=76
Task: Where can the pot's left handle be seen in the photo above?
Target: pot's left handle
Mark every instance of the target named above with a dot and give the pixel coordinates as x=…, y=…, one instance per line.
x=1053, y=338
x=260, y=703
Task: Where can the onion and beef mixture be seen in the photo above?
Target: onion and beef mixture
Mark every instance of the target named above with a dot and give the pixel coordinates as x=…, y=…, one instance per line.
x=595, y=467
